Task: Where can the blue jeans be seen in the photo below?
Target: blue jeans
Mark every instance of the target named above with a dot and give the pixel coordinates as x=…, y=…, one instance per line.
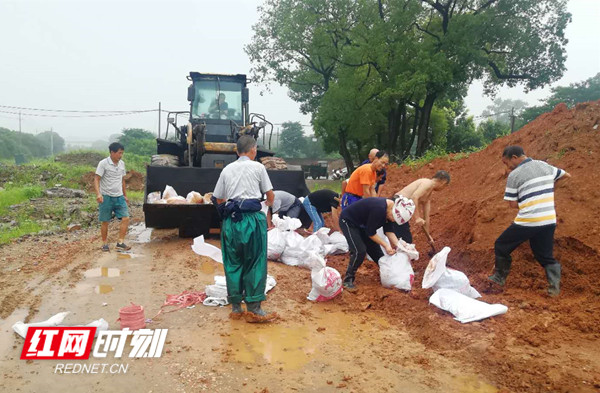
x=314, y=215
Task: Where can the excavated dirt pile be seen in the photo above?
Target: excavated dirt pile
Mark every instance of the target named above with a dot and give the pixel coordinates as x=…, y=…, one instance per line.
x=541, y=344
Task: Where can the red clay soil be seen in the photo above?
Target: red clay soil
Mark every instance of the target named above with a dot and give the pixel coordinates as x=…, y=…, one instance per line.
x=542, y=344
x=134, y=181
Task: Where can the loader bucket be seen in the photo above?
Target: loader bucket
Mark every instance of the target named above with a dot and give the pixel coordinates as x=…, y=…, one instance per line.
x=195, y=220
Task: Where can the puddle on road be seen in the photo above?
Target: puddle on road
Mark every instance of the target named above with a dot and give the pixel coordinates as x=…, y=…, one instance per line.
x=140, y=233
x=292, y=347
x=103, y=289
x=102, y=272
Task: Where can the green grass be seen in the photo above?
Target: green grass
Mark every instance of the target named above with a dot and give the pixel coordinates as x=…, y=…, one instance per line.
x=133, y=196
x=335, y=186
x=24, y=228
x=435, y=153
x=14, y=196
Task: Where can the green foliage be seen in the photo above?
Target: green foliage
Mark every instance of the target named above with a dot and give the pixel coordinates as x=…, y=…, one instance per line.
x=29, y=145
x=333, y=186
x=53, y=142
x=138, y=141
x=492, y=129
x=587, y=90
x=463, y=135
x=374, y=73
x=292, y=142
x=23, y=228
x=14, y=196
x=501, y=109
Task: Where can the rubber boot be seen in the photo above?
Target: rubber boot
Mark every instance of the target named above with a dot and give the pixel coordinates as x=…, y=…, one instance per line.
x=348, y=285
x=553, y=276
x=256, y=314
x=501, y=270
x=236, y=311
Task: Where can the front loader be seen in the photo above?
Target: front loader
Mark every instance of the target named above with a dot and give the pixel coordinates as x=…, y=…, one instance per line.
x=199, y=149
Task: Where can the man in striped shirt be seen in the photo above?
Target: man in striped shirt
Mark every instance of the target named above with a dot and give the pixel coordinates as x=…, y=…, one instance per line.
x=530, y=188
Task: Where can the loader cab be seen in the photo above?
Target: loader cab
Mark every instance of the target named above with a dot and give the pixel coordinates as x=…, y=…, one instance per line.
x=218, y=100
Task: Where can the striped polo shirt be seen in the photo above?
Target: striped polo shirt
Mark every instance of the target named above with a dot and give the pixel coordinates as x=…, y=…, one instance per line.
x=531, y=184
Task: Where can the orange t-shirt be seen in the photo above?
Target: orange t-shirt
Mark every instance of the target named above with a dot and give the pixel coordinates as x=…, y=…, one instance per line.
x=363, y=175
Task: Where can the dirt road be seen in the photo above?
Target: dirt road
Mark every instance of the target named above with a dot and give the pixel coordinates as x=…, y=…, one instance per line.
x=350, y=344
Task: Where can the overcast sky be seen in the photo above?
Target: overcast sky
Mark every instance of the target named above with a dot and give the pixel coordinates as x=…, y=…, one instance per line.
x=129, y=55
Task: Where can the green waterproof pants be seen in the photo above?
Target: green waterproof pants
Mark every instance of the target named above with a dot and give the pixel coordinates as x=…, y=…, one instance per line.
x=244, y=248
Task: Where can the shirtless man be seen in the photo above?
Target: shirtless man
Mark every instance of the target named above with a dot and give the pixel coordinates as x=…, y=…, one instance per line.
x=420, y=192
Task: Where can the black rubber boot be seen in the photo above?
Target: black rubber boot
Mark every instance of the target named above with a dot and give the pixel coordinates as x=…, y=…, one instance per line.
x=348, y=285
x=553, y=276
x=236, y=311
x=256, y=314
x=501, y=270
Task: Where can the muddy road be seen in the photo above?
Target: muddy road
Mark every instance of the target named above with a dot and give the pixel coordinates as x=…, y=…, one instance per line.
x=350, y=344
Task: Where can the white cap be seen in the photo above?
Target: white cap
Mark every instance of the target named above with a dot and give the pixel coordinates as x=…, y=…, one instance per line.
x=403, y=210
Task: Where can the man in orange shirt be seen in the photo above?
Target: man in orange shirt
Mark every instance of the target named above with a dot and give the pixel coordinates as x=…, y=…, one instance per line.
x=362, y=181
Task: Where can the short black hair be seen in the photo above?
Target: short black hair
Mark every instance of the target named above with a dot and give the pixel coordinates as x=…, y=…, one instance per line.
x=380, y=154
x=115, y=147
x=442, y=175
x=513, y=150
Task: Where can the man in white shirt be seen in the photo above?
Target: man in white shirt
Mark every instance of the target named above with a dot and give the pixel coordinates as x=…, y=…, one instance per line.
x=111, y=195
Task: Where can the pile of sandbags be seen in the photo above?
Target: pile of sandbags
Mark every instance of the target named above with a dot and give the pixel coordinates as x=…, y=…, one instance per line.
x=164, y=160
x=275, y=163
x=170, y=196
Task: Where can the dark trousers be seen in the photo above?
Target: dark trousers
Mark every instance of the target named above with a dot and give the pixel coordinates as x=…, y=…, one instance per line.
x=403, y=232
x=359, y=245
x=541, y=240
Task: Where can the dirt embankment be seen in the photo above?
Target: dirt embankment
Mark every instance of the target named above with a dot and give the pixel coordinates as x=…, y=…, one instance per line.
x=527, y=349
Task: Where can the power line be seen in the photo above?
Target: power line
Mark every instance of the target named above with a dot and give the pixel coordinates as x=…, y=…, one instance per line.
x=74, y=110
x=89, y=115
x=491, y=115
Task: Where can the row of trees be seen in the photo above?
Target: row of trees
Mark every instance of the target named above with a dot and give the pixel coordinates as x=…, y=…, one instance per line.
x=393, y=73
x=14, y=143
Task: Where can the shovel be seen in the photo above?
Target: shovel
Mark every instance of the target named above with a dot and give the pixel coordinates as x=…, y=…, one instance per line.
x=433, y=250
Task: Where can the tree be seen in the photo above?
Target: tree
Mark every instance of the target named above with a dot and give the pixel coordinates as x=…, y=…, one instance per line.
x=138, y=141
x=399, y=58
x=587, y=90
x=492, y=129
x=463, y=135
x=52, y=142
x=501, y=109
x=292, y=140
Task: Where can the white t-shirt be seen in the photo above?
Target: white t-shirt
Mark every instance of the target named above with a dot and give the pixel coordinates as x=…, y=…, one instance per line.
x=243, y=179
x=111, y=177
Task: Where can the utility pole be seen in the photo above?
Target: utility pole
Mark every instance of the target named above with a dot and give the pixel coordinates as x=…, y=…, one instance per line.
x=512, y=120
x=159, y=112
x=51, y=142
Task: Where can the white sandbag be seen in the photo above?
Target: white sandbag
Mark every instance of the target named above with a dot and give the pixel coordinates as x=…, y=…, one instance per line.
x=216, y=291
x=194, y=198
x=286, y=223
x=339, y=243
x=215, y=301
x=409, y=249
x=169, y=192
x=383, y=237
x=153, y=197
x=176, y=200
x=207, y=250
x=458, y=281
x=396, y=271
x=296, y=254
x=21, y=328
x=464, y=308
x=323, y=235
x=275, y=244
x=326, y=281
x=438, y=276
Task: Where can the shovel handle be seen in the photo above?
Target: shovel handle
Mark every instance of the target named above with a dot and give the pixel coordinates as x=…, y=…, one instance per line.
x=428, y=239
